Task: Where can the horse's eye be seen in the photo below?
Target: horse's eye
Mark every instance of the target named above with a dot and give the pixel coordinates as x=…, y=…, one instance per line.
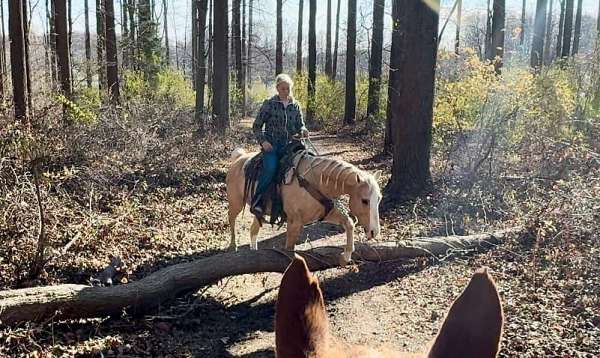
x=365, y=201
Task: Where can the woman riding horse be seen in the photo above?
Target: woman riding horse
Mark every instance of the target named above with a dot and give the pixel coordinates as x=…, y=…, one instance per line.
x=281, y=118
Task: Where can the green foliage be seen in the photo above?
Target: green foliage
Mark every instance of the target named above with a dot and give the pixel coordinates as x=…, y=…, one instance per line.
x=174, y=87
x=76, y=112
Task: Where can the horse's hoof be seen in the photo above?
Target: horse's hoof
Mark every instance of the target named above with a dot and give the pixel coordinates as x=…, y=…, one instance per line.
x=254, y=246
x=345, y=258
x=232, y=248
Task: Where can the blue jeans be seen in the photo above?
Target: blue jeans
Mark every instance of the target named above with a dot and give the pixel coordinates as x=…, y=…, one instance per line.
x=270, y=163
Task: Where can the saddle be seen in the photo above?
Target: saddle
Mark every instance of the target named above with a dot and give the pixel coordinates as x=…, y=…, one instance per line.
x=286, y=166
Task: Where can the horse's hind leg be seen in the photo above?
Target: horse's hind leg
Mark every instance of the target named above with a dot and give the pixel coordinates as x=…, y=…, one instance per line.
x=293, y=233
x=254, y=228
x=232, y=213
x=336, y=217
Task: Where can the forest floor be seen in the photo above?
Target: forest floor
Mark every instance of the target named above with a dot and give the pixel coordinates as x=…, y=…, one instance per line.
x=166, y=215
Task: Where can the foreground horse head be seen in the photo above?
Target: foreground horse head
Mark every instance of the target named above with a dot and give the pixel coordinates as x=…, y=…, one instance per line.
x=472, y=329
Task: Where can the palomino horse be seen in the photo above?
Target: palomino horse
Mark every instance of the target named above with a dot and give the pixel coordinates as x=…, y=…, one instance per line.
x=332, y=177
x=472, y=329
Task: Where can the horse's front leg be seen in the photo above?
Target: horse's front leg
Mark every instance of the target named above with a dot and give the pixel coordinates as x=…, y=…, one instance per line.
x=336, y=217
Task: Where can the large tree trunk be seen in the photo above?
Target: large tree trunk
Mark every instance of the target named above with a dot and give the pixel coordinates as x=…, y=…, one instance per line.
x=335, y=46
x=548, y=40
x=312, y=61
x=112, y=61
x=392, y=78
x=567, y=29
x=279, y=40
x=577, y=33
x=62, y=48
x=100, y=44
x=201, y=68
x=350, y=103
x=88, y=46
x=376, y=59
x=537, y=42
x=299, y=42
x=498, y=23
x=328, y=63
x=488, y=33
x=17, y=57
x=221, y=66
x=412, y=99
x=561, y=26
x=80, y=301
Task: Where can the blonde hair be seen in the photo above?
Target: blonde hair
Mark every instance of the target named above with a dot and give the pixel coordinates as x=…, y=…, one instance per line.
x=284, y=78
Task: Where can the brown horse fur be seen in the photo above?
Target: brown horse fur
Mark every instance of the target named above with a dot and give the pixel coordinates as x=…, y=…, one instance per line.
x=472, y=329
x=333, y=177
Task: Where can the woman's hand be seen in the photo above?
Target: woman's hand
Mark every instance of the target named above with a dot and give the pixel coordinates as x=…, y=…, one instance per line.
x=266, y=146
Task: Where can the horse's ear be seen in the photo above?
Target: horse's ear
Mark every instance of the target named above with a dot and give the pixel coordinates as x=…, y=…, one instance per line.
x=377, y=175
x=358, y=179
x=300, y=317
x=473, y=326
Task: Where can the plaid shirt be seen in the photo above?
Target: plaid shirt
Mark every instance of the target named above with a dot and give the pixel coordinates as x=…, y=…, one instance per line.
x=279, y=122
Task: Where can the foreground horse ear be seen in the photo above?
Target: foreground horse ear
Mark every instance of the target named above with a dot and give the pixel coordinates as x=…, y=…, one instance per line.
x=473, y=326
x=377, y=175
x=300, y=317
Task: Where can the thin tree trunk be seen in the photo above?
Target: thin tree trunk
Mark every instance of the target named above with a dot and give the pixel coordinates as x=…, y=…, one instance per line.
x=335, y=46
x=328, y=63
x=2, y=57
x=88, y=46
x=201, y=67
x=561, y=26
x=537, y=43
x=166, y=29
x=299, y=42
x=392, y=78
x=237, y=45
x=17, y=58
x=26, y=18
x=376, y=59
x=69, y=301
x=52, y=31
x=221, y=66
x=125, y=43
x=458, y=24
x=70, y=23
x=100, y=44
x=522, y=33
x=488, y=33
x=62, y=48
x=132, y=32
x=567, y=30
x=312, y=61
x=548, y=40
x=112, y=61
x=279, y=40
x=577, y=34
x=350, y=103
x=195, y=42
x=210, y=71
x=412, y=99
x=249, y=57
x=244, y=58
x=498, y=23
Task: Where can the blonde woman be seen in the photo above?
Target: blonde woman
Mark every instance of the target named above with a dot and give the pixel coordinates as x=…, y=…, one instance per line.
x=279, y=119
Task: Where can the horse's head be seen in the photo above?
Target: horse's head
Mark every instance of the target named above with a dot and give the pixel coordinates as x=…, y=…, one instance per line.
x=364, y=204
x=472, y=328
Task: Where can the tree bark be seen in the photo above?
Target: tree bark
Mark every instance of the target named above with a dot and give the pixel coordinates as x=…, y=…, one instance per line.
x=488, y=33
x=328, y=63
x=412, y=99
x=195, y=42
x=62, y=48
x=522, y=33
x=166, y=34
x=201, y=68
x=132, y=32
x=244, y=59
x=498, y=23
x=350, y=102
x=376, y=59
x=17, y=57
x=221, y=66
x=26, y=18
x=112, y=61
x=561, y=26
x=548, y=40
x=312, y=61
x=237, y=46
x=335, y=46
x=2, y=56
x=537, y=42
x=250, y=44
x=71, y=301
x=279, y=40
x=567, y=29
x=299, y=42
x=88, y=46
x=392, y=78
x=100, y=44
x=577, y=33
x=458, y=24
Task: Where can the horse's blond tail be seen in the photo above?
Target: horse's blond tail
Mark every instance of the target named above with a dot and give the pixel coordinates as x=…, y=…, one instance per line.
x=236, y=154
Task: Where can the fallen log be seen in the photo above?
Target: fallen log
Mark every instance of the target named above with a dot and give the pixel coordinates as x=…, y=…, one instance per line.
x=138, y=297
